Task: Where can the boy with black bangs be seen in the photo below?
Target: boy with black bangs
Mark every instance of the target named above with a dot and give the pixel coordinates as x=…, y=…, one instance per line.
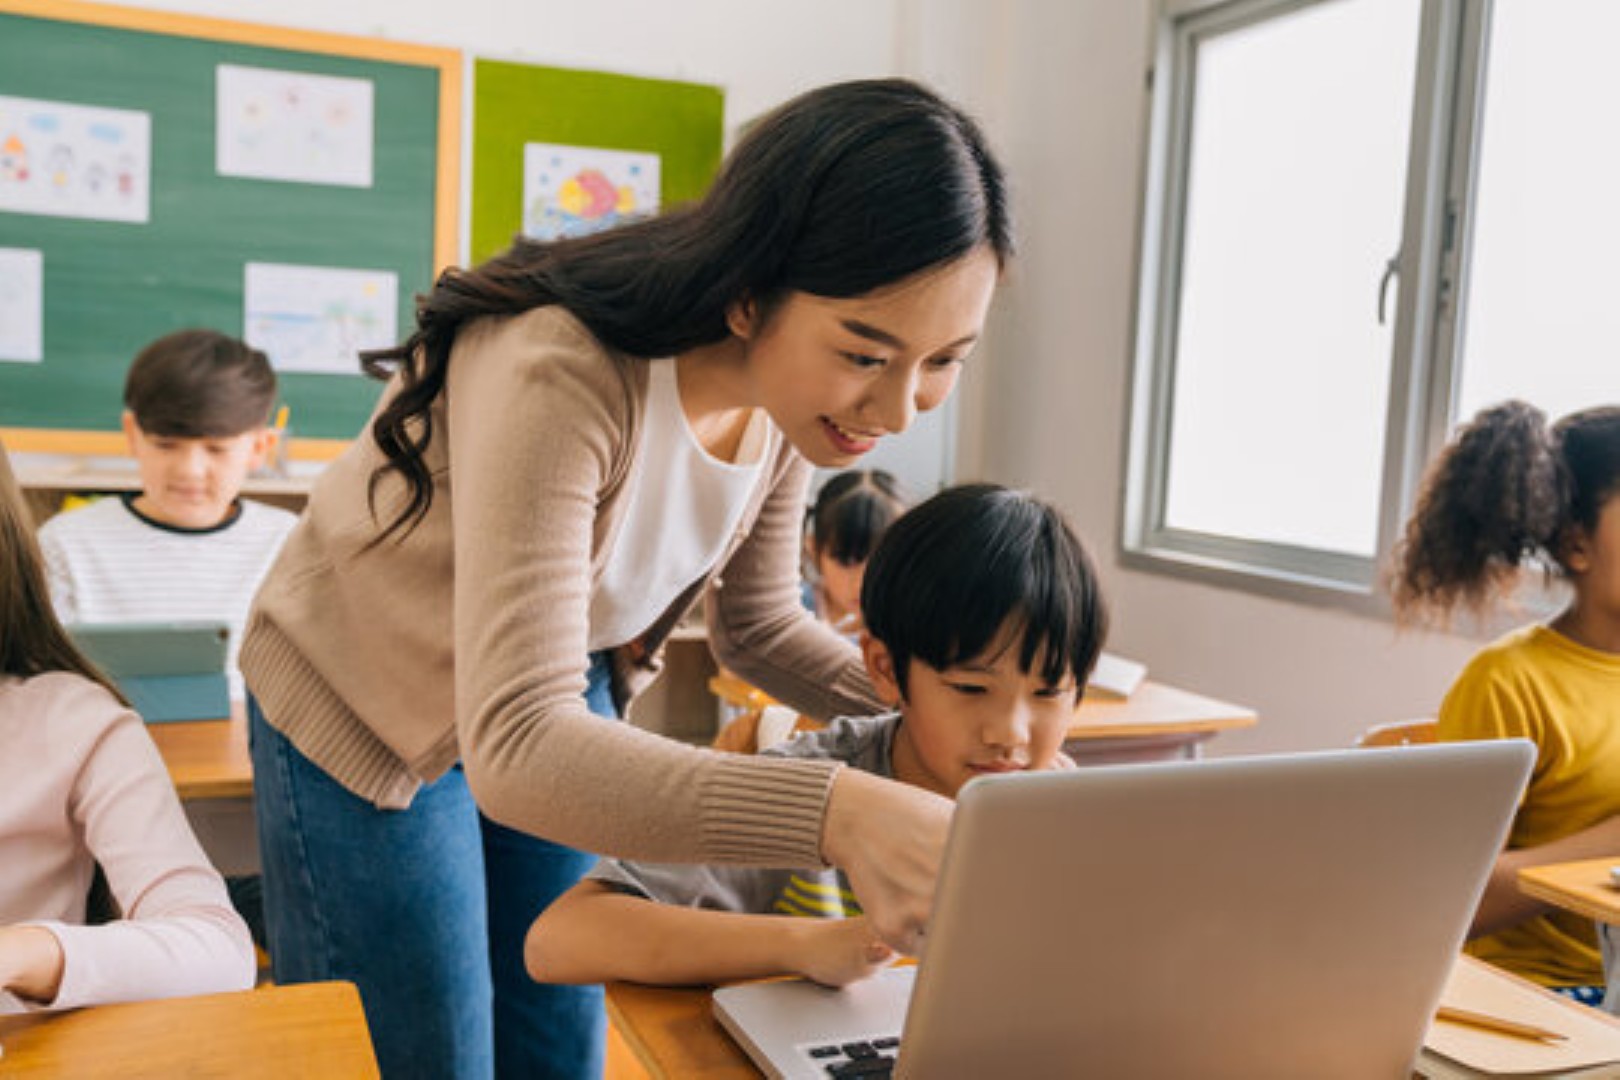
x=983, y=619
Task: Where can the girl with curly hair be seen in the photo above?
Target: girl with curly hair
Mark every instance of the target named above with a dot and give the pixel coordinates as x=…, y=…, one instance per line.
x=1509, y=490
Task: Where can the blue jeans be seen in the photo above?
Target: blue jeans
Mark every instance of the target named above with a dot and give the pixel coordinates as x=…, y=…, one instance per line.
x=425, y=909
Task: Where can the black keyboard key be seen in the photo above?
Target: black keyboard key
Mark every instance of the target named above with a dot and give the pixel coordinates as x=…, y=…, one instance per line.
x=888, y=1043
x=824, y=1051
x=859, y=1051
x=873, y=1066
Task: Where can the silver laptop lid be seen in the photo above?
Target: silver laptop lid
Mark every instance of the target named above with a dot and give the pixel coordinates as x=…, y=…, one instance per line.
x=1292, y=915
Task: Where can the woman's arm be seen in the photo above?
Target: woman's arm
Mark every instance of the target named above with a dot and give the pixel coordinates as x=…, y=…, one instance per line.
x=758, y=625
x=595, y=933
x=538, y=421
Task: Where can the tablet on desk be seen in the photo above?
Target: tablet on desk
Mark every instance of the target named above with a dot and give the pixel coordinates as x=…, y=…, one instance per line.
x=168, y=670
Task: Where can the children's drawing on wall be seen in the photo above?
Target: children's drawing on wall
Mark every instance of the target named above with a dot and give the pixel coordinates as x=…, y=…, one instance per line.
x=22, y=301
x=286, y=125
x=63, y=160
x=574, y=190
x=317, y=319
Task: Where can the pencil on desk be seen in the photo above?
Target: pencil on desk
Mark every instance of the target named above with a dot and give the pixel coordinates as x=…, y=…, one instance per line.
x=1498, y=1024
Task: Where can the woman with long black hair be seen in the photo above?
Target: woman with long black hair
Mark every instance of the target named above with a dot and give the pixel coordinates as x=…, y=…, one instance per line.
x=581, y=440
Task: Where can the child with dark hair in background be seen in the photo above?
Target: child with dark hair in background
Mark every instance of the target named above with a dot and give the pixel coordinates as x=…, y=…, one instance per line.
x=196, y=408
x=842, y=528
x=984, y=617
x=1507, y=489
x=81, y=783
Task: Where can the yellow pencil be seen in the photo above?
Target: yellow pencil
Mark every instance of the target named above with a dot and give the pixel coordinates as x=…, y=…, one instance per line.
x=281, y=418
x=1498, y=1024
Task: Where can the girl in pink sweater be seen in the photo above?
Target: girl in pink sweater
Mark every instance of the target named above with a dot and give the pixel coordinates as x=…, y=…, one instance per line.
x=81, y=783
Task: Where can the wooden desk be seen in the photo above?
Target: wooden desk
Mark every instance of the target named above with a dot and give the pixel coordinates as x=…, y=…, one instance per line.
x=207, y=759
x=1155, y=723
x=1582, y=887
x=209, y=764
x=674, y=1034
x=317, y=1030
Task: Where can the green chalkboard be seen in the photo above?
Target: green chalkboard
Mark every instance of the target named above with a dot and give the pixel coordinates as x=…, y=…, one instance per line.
x=517, y=104
x=111, y=286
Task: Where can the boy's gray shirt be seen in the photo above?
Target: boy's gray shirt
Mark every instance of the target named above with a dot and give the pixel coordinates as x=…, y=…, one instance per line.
x=864, y=742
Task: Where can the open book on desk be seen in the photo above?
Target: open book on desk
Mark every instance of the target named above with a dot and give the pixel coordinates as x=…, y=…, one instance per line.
x=1590, y=1047
x=1115, y=676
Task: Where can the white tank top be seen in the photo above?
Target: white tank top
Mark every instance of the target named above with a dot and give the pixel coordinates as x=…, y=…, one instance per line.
x=683, y=506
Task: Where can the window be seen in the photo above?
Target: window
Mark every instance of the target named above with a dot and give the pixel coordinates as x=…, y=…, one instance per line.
x=1365, y=220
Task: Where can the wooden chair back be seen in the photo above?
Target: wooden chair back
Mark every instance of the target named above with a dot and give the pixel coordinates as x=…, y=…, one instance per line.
x=1400, y=733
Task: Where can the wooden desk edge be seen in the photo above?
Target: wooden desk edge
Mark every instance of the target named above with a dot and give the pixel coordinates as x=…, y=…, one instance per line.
x=261, y=1015
x=225, y=773
x=1546, y=883
x=630, y=1032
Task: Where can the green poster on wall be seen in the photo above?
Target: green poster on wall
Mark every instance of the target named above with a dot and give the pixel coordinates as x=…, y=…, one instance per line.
x=557, y=152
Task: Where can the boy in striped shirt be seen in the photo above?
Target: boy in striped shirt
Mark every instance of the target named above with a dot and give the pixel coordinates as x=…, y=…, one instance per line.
x=186, y=546
x=983, y=618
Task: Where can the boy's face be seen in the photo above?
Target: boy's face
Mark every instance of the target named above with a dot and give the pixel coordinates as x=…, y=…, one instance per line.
x=980, y=717
x=192, y=483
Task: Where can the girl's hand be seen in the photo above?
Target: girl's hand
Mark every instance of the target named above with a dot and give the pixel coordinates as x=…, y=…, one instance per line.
x=30, y=963
x=1060, y=760
x=888, y=838
x=837, y=952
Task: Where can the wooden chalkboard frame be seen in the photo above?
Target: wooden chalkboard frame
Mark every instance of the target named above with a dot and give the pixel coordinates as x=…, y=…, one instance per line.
x=447, y=62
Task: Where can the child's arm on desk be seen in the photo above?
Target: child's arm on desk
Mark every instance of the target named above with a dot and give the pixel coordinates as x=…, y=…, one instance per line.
x=1503, y=905
x=30, y=962
x=594, y=933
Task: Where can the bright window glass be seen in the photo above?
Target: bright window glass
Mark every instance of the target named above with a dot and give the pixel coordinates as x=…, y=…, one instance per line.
x=1293, y=206
x=1543, y=305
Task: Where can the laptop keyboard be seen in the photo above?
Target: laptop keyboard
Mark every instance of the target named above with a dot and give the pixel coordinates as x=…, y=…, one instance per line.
x=867, y=1057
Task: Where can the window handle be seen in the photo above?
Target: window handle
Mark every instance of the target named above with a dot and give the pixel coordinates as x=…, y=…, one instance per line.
x=1391, y=269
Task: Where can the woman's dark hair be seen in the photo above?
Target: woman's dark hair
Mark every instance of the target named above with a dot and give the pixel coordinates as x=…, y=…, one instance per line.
x=850, y=512
x=838, y=192
x=1507, y=487
x=950, y=577
x=32, y=641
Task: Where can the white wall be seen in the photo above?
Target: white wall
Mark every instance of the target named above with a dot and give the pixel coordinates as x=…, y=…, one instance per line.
x=1046, y=407
x=760, y=53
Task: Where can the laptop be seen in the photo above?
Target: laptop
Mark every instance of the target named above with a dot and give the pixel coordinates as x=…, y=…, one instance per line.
x=168, y=670
x=1283, y=916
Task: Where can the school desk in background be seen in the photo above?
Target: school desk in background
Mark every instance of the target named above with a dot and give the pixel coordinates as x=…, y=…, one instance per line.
x=168, y=670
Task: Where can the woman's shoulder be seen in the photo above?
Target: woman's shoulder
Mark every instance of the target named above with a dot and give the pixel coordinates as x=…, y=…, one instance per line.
x=547, y=346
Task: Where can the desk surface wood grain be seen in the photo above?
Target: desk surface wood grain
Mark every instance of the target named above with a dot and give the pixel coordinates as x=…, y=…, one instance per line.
x=1582, y=887
x=207, y=759
x=315, y=1031
x=674, y=1033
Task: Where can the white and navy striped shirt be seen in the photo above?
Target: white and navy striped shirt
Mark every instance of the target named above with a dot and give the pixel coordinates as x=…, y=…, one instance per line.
x=107, y=562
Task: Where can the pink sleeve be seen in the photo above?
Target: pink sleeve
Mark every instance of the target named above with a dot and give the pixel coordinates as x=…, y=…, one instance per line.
x=179, y=934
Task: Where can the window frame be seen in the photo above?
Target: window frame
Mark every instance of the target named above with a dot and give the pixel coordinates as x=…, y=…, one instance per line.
x=1428, y=278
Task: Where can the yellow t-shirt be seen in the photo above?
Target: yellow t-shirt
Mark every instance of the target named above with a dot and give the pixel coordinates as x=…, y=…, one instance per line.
x=1564, y=697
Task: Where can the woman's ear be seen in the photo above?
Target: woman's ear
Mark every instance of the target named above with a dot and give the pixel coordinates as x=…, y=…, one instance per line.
x=880, y=668
x=742, y=318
